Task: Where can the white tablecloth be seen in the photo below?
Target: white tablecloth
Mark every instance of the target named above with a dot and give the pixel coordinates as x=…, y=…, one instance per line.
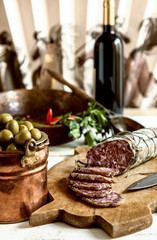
x=62, y=231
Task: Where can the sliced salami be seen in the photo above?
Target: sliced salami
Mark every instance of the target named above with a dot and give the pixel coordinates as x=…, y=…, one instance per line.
x=107, y=172
x=91, y=177
x=89, y=185
x=124, y=151
x=91, y=193
x=113, y=199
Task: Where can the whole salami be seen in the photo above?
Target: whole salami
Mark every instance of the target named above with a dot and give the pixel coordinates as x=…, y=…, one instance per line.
x=125, y=150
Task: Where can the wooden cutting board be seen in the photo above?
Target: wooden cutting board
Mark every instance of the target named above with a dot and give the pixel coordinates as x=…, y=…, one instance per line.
x=134, y=214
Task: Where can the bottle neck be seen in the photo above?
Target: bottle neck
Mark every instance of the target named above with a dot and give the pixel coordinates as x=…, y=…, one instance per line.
x=108, y=28
x=109, y=13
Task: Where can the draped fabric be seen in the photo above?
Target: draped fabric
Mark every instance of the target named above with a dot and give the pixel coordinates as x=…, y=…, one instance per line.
x=61, y=34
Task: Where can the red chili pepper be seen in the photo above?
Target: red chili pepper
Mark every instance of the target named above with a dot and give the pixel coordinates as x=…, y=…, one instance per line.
x=55, y=119
x=49, y=116
x=72, y=117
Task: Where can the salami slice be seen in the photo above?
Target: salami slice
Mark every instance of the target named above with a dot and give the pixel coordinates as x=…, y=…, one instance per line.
x=107, y=172
x=91, y=177
x=91, y=193
x=111, y=200
x=124, y=151
x=89, y=185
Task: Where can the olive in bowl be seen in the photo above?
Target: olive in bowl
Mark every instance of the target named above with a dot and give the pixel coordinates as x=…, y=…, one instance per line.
x=14, y=135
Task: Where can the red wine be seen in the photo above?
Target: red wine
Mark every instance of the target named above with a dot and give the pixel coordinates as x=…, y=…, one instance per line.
x=108, y=63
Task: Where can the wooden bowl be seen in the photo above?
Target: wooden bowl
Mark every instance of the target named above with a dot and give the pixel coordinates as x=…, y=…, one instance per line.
x=122, y=124
x=36, y=103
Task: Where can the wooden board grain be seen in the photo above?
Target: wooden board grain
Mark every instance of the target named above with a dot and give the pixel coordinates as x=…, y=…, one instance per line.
x=134, y=214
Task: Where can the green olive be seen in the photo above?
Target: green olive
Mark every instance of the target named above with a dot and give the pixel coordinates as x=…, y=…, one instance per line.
x=29, y=125
x=5, y=117
x=13, y=126
x=12, y=147
x=6, y=136
x=22, y=136
x=35, y=133
x=22, y=127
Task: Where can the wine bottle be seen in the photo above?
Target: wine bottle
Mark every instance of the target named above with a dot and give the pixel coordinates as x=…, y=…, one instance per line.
x=108, y=63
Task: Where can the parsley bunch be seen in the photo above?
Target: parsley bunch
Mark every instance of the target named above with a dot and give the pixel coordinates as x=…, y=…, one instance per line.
x=93, y=123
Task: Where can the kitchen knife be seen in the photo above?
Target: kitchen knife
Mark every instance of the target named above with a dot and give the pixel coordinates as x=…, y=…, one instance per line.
x=145, y=182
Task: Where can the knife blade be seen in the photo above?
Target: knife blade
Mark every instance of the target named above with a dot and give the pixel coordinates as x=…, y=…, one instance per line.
x=145, y=182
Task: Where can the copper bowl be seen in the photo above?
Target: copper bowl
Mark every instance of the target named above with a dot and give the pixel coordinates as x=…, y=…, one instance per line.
x=36, y=103
x=22, y=190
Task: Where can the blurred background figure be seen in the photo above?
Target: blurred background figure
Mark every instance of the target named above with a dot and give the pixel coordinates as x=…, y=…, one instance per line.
x=10, y=73
x=140, y=82
x=61, y=35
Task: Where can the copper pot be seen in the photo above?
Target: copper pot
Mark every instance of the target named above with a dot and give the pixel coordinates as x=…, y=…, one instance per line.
x=22, y=190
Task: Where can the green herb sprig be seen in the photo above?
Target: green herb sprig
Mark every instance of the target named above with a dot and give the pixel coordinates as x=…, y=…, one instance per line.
x=93, y=123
